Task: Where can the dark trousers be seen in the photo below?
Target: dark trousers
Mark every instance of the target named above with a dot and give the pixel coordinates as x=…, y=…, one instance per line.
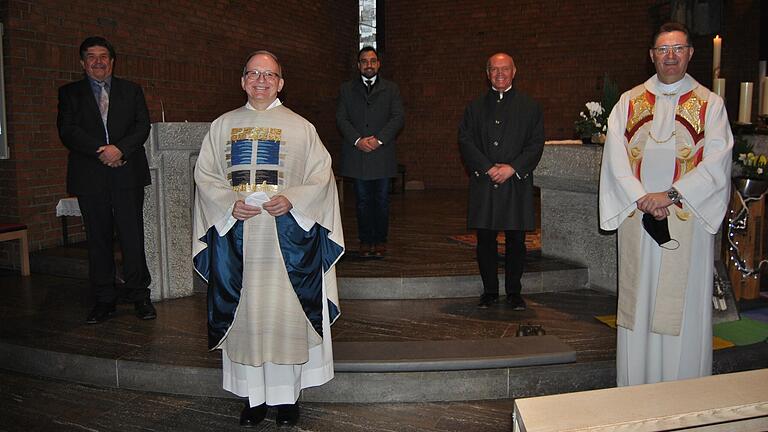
x=372, y=210
x=514, y=258
x=122, y=209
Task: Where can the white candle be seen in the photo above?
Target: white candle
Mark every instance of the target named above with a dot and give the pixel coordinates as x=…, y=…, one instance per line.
x=745, y=102
x=764, y=104
x=717, y=43
x=761, y=90
x=719, y=87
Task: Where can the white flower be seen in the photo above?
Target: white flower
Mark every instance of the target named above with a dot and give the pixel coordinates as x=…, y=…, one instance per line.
x=595, y=108
x=742, y=156
x=759, y=170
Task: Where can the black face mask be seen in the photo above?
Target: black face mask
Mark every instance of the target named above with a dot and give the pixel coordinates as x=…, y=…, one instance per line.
x=657, y=229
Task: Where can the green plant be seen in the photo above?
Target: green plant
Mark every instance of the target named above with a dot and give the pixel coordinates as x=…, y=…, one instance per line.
x=740, y=147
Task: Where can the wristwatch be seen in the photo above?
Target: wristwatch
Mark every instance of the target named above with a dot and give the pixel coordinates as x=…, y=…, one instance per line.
x=673, y=195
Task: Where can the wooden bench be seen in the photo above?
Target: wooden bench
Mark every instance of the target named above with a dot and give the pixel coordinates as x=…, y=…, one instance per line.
x=10, y=231
x=728, y=402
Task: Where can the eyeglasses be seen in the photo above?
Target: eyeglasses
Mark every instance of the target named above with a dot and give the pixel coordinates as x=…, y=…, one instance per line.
x=254, y=75
x=665, y=49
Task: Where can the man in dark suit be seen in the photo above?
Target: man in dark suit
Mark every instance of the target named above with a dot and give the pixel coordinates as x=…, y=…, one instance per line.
x=370, y=115
x=104, y=122
x=501, y=139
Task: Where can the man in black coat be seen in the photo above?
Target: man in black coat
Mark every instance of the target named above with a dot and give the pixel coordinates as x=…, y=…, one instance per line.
x=501, y=139
x=104, y=122
x=370, y=115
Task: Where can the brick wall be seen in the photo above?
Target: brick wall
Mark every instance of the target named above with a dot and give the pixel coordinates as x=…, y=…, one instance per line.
x=186, y=54
x=189, y=56
x=436, y=52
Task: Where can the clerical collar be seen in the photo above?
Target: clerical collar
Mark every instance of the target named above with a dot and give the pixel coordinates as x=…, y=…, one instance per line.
x=501, y=94
x=371, y=79
x=670, y=89
x=275, y=103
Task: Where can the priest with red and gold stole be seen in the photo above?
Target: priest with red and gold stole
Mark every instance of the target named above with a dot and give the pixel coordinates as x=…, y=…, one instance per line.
x=665, y=184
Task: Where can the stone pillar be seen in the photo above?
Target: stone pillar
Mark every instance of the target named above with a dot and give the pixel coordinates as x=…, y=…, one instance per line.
x=172, y=150
x=568, y=177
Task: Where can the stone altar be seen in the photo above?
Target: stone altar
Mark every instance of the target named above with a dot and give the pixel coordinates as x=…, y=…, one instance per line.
x=172, y=150
x=568, y=177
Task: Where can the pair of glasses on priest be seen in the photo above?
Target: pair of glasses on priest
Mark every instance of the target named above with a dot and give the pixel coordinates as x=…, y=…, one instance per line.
x=666, y=49
x=254, y=75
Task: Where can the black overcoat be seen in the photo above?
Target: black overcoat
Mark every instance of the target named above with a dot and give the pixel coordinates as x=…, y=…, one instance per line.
x=511, y=131
x=359, y=114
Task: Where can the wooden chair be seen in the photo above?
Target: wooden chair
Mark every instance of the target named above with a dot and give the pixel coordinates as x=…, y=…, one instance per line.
x=10, y=231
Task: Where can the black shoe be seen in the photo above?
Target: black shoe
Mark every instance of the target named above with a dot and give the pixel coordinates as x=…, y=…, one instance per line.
x=486, y=300
x=516, y=301
x=100, y=313
x=145, y=310
x=250, y=417
x=287, y=415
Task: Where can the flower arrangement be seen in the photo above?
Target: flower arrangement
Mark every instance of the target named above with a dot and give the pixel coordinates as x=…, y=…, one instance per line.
x=754, y=166
x=593, y=123
x=746, y=163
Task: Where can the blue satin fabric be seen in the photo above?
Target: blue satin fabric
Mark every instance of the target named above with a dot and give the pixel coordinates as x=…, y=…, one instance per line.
x=307, y=256
x=221, y=264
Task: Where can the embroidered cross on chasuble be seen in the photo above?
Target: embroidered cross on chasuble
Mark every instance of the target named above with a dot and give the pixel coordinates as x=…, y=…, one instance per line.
x=253, y=159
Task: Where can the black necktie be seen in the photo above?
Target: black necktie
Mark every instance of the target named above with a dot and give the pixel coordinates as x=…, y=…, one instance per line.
x=368, y=85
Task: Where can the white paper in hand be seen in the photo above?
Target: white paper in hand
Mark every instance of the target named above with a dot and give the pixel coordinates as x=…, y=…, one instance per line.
x=256, y=199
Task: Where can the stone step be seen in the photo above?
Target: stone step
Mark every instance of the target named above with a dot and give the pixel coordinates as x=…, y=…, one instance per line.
x=363, y=387
x=553, y=276
x=396, y=288
x=450, y=355
x=371, y=372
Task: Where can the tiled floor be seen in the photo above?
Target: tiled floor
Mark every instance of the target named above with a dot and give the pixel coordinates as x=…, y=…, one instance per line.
x=29, y=404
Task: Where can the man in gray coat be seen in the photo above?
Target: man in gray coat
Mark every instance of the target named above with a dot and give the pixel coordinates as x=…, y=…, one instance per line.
x=501, y=139
x=370, y=115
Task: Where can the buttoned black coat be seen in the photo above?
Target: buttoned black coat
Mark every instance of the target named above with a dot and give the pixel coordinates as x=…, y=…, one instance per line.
x=510, y=131
x=359, y=114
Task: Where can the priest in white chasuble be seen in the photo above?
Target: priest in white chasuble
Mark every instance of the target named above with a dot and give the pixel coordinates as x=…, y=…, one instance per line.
x=267, y=236
x=665, y=185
